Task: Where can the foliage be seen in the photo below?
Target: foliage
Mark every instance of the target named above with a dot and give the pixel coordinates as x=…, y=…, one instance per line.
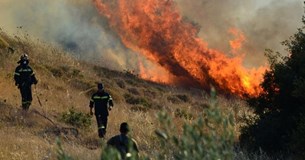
x=209, y=137
x=61, y=154
x=137, y=100
x=77, y=119
x=183, y=114
x=110, y=154
x=282, y=104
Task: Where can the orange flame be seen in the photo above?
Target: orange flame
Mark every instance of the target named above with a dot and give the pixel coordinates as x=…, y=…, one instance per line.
x=155, y=29
x=237, y=43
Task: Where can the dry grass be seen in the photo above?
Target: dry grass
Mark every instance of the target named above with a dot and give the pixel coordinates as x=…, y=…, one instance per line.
x=66, y=82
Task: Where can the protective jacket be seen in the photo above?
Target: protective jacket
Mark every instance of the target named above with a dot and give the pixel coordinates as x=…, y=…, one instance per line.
x=124, y=145
x=24, y=76
x=101, y=101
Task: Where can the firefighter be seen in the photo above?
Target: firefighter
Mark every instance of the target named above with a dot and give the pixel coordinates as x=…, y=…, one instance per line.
x=124, y=144
x=102, y=103
x=24, y=78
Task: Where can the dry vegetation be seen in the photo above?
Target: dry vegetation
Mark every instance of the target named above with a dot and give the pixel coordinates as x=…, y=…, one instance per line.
x=66, y=82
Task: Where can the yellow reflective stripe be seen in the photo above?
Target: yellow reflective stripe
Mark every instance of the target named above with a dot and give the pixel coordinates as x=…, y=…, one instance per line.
x=26, y=102
x=99, y=97
x=24, y=70
x=91, y=100
x=17, y=74
x=102, y=127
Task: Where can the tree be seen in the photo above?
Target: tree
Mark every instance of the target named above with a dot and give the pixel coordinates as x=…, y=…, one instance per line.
x=281, y=107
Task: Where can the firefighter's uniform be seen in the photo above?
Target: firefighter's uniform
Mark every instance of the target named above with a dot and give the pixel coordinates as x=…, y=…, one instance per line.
x=24, y=77
x=102, y=102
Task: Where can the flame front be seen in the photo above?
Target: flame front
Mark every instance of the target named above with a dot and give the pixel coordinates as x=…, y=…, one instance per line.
x=155, y=29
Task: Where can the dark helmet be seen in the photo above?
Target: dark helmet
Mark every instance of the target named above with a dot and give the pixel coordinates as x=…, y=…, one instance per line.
x=24, y=59
x=100, y=86
x=124, y=128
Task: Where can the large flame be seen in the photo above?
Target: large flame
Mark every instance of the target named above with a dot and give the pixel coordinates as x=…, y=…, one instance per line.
x=155, y=29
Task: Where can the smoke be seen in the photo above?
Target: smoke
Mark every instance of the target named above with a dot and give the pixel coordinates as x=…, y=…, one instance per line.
x=76, y=26
x=73, y=24
x=265, y=23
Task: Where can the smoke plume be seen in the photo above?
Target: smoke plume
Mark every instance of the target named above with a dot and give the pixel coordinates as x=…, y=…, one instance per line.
x=265, y=23
x=234, y=28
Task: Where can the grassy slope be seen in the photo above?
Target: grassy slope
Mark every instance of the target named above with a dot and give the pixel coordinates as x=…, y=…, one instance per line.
x=65, y=82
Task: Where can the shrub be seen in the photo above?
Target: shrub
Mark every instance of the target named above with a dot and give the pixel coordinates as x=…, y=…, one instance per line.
x=77, y=119
x=183, y=114
x=209, y=137
x=130, y=99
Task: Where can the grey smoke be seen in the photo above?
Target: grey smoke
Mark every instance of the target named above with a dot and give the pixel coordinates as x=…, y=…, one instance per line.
x=265, y=23
x=76, y=25
x=73, y=24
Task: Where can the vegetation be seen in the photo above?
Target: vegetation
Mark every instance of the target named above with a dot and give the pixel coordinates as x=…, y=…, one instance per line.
x=77, y=119
x=280, y=125
x=210, y=136
x=191, y=124
x=65, y=81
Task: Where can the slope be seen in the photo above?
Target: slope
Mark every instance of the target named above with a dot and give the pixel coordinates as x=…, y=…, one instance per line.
x=66, y=82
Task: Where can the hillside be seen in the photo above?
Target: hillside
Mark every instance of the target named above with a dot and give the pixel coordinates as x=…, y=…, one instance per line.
x=66, y=82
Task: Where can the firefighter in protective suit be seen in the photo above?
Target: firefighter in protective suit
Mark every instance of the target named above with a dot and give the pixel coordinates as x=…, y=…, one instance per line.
x=102, y=102
x=24, y=78
x=124, y=144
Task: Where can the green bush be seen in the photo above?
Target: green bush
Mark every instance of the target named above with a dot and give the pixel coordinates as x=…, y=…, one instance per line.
x=209, y=137
x=77, y=119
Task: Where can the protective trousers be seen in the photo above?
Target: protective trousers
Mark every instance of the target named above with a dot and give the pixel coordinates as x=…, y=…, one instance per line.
x=26, y=94
x=101, y=124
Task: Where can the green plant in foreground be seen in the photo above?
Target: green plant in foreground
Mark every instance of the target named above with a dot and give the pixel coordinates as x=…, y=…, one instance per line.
x=207, y=138
x=61, y=154
x=75, y=118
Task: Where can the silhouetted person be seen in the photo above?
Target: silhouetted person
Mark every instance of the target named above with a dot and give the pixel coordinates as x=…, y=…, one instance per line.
x=123, y=143
x=102, y=102
x=24, y=78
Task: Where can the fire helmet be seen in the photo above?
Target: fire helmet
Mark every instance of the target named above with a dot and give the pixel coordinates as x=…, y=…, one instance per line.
x=24, y=59
x=100, y=86
x=124, y=127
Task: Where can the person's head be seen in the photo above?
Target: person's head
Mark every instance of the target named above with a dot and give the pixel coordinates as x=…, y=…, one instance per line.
x=124, y=128
x=24, y=59
x=100, y=87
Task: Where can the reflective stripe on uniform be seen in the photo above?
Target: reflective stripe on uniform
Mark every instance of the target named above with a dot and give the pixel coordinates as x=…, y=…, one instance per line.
x=17, y=74
x=26, y=102
x=99, y=97
x=102, y=127
x=24, y=70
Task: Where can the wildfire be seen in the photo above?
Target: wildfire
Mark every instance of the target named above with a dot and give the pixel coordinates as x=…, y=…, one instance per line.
x=155, y=29
x=237, y=43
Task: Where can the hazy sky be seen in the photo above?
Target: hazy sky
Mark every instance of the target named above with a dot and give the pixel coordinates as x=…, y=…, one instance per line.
x=76, y=25
x=265, y=23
